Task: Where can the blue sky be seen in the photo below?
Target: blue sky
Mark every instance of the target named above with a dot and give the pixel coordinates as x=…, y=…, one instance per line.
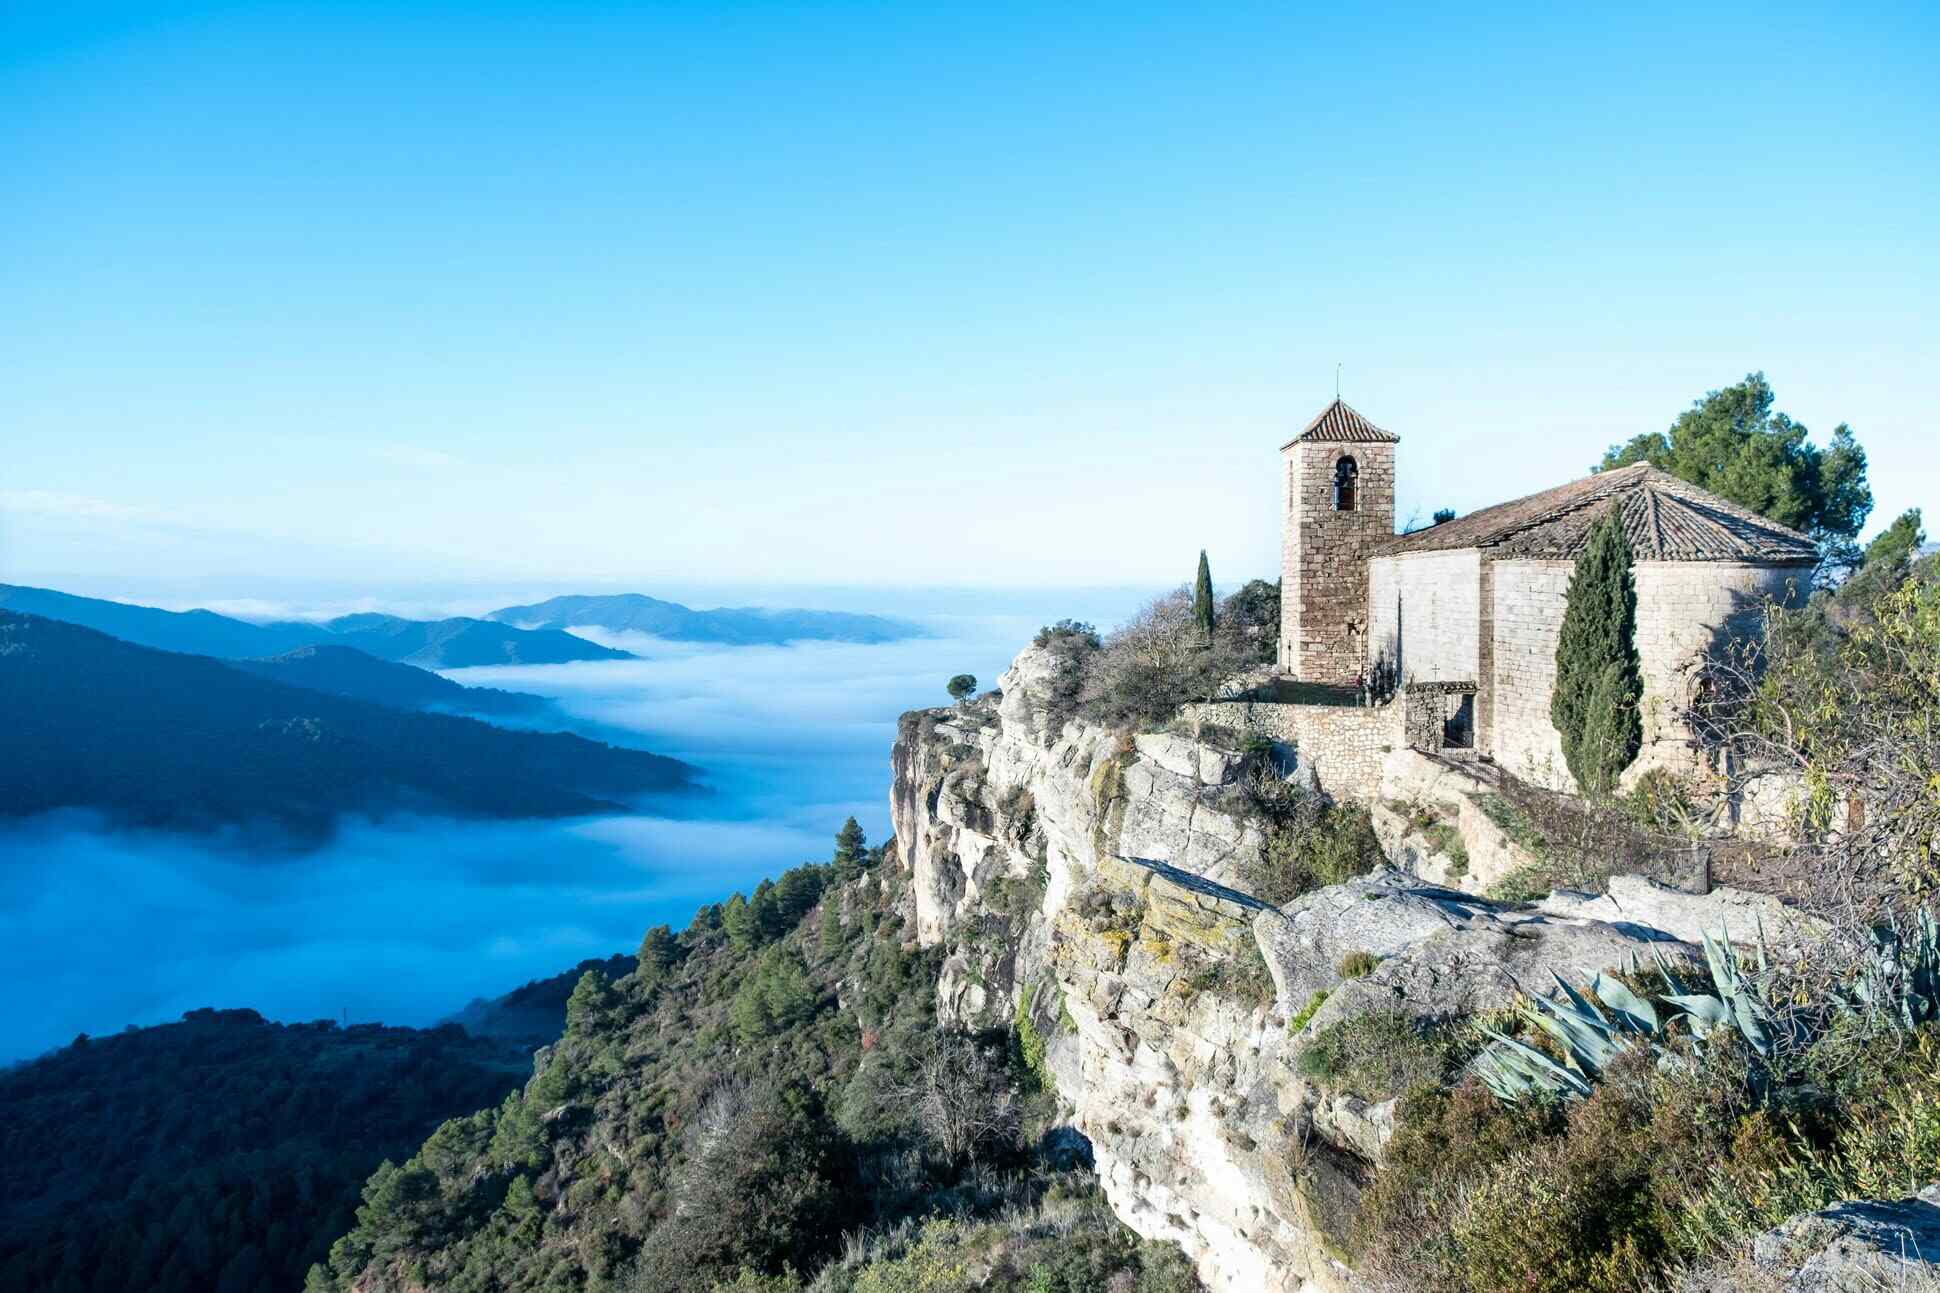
x=978, y=294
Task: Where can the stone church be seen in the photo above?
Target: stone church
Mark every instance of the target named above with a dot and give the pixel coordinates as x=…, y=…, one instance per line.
x=1469, y=611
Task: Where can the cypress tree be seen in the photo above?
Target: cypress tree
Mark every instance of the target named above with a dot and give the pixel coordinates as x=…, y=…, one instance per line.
x=1202, y=597
x=1599, y=680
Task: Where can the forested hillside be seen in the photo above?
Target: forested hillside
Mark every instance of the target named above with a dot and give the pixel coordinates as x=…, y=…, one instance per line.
x=151, y=738
x=763, y=1084
x=216, y=1155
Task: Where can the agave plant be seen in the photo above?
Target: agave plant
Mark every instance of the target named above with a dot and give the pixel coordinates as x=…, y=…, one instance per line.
x=1901, y=983
x=1612, y=1020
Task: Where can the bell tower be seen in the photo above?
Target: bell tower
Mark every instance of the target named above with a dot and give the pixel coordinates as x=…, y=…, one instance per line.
x=1337, y=482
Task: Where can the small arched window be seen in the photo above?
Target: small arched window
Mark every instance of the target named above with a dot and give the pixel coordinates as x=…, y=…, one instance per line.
x=1347, y=475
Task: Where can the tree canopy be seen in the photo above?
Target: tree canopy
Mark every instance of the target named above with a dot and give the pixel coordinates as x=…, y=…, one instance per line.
x=1734, y=444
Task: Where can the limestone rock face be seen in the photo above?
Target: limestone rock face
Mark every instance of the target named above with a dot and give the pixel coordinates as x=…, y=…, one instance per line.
x=1164, y=995
x=1431, y=819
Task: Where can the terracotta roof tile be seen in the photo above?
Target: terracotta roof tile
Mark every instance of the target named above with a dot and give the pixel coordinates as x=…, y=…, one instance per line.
x=1338, y=422
x=1665, y=519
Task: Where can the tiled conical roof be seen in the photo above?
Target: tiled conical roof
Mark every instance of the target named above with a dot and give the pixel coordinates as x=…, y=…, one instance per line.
x=1665, y=519
x=1338, y=422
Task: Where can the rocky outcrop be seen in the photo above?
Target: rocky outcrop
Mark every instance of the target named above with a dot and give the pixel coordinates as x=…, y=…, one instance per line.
x=1859, y=1247
x=1088, y=886
x=1432, y=817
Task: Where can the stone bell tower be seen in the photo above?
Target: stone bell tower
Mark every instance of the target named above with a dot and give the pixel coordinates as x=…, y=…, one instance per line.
x=1337, y=479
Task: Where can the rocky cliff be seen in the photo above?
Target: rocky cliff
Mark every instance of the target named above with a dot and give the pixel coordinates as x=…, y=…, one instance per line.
x=1086, y=889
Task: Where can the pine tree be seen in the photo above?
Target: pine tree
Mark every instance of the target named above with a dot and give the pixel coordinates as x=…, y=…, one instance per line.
x=831, y=931
x=739, y=922
x=850, y=844
x=1599, y=680
x=658, y=951
x=1202, y=598
x=590, y=1003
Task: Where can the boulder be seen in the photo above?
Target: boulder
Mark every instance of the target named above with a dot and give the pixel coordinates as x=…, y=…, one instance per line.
x=1441, y=952
x=1859, y=1247
x=1638, y=903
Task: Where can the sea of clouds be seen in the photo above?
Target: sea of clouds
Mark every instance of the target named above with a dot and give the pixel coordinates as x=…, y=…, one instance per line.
x=404, y=921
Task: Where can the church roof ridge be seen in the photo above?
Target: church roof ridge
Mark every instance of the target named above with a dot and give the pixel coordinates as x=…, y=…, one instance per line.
x=1665, y=518
x=1339, y=422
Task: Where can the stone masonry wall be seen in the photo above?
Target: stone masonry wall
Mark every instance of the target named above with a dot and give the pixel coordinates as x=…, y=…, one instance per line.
x=1425, y=610
x=1683, y=608
x=1344, y=745
x=1323, y=590
x=1529, y=600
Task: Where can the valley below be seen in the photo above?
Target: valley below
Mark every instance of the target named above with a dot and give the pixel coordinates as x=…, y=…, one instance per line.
x=404, y=918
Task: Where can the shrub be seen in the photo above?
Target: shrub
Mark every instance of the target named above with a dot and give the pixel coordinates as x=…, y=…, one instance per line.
x=1159, y=661
x=1660, y=1166
x=1311, y=843
x=1375, y=1055
x=1358, y=965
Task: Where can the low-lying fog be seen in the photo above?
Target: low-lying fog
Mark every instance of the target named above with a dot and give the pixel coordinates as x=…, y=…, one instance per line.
x=405, y=922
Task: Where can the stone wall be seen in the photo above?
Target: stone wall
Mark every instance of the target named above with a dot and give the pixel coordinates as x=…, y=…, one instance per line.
x=1688, y=608
x=1323, y=589
x=1683, y=608
x=1343, y=745
x=1425, y=612
x=1529, y=600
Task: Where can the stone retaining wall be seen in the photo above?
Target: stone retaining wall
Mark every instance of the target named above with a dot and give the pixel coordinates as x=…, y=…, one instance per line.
x=1344, y=745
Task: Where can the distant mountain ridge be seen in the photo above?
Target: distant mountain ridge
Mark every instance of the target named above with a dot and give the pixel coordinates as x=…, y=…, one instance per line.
x=346, y=671
x=157, y=739
x=733, y=626
x=455, y=643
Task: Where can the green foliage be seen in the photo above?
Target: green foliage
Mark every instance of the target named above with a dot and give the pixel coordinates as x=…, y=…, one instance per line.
x=1203, y=613
x=1253, y=615
x=1894, y=546
x=761, y=1191
x=1846, y=688
x=223, y=1152
x=591, y=1004
x=1031, y=1043
x=1068, y=1242
x=851, y=850
x=1375, y=1055
x=1658, y=1167
x=1068, y=631
x=1446, y=840
x=658, y=952
x=830, y=935
x=1590, y=1037
x=962, y=686
x=1443, y=515
x=1733, y=444
x=776, y=997
x=1311, y=842
x=724, y=1129
x=1305, y=1014
x=1599, y=681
